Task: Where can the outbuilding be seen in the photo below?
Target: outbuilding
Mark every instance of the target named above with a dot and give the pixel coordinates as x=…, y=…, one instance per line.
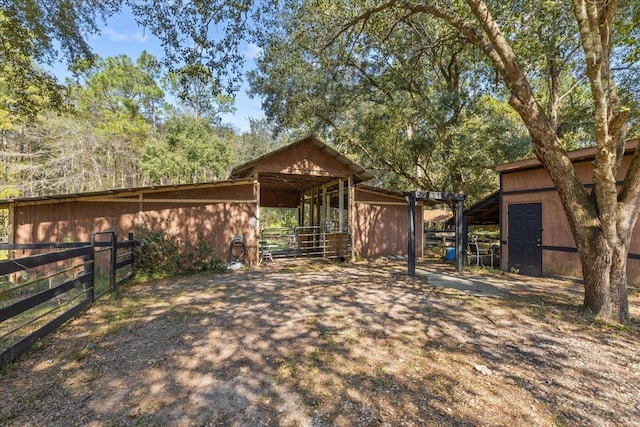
x=339, y=216
x=535, y=236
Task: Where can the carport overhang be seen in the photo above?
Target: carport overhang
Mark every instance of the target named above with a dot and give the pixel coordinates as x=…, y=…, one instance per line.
x=484, y=212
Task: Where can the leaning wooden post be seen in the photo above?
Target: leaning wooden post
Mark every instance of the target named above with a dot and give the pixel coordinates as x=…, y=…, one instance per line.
x=411, y=250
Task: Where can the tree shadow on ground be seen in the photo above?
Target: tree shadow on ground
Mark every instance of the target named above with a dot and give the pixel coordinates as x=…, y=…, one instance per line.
x=319, y=344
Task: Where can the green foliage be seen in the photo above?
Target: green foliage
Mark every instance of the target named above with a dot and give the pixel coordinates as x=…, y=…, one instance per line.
x=158, y=254
x=185, y=29
x=199, y=92
x=120, y=96
x=191, y=151
x=9, y=192
x=406, y=98
x=162, y=255
x=117, y=136
x=96, y=146
x=36, y=31
x=203, y=257
x=278, y=217
x=35, y=26
x=25, y=90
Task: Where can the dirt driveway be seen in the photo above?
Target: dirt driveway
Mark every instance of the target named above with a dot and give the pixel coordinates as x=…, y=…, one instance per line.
x=320, y=344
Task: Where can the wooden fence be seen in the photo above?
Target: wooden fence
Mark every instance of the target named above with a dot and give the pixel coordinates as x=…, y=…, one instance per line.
x=53, y=283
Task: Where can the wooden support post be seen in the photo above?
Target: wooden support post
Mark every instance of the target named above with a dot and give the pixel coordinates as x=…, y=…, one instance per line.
x=328, y=209
x=256, y=188
x=411, y=250
x=140, y=211
x=351, y=214
x=458, y=200
x=11, y=228
x=113, y=259
x=341, y=205
x=318, y=206
x=460, y=232
x=324, y=216
x=312, y=207
x=301, y=212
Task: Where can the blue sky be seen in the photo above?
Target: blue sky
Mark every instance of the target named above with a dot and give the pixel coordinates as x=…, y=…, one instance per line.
x=121, y=35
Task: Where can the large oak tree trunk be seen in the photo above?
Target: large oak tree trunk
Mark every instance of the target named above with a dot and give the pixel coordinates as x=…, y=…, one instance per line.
x=601, y=222
x=604, y=269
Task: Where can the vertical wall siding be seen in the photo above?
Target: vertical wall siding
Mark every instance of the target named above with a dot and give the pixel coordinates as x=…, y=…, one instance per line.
x=382, y=229
x=535, y=186
x=215, y=222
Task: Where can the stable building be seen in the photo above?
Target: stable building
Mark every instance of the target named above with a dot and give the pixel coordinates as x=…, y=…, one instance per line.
x=535, y=235
x=338, y=215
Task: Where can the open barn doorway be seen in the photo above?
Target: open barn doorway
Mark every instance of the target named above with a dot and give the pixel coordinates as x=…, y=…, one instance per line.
x=314, y=184
x=318, y=227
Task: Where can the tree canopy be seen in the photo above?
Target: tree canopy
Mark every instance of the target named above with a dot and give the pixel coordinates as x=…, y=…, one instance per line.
x=418, y=112
x=416, y=89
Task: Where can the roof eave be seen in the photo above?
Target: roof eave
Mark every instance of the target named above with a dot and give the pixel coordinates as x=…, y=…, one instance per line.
x=575, y=156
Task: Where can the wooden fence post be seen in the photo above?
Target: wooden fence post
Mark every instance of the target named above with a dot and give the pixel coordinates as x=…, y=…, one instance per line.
x=112, y=260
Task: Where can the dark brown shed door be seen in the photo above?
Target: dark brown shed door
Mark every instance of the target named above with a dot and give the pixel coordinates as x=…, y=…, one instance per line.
x=525, y=238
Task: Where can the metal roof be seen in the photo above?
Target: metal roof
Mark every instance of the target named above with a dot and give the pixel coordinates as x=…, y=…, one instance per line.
x=123, y=192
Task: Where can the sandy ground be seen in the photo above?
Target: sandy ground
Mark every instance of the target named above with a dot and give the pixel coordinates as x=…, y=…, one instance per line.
x=321, y=344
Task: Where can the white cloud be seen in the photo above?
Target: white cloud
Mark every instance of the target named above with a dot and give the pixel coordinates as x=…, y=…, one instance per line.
x=125, y=36
x=252, y=51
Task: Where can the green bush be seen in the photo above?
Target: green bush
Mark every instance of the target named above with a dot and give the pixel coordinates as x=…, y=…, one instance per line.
x=161, y=255
x=201, y=256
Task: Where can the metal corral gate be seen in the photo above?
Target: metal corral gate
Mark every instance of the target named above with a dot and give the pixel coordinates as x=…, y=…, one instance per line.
x=41, y=291
x=309, y=241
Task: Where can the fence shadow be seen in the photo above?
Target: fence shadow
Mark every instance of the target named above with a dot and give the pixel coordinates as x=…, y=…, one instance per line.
x=40, y=292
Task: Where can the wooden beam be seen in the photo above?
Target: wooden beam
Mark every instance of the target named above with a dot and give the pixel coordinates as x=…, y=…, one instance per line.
x=178, y=201
x=411, y=249
x=377, y=202
x=127, y=194
x=386, y=194
x=438, y=196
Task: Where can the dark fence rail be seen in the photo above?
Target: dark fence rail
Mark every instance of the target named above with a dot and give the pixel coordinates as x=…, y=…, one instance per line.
x=39, y=293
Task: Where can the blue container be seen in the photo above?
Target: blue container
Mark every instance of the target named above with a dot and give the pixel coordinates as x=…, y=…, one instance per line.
x=450, y=254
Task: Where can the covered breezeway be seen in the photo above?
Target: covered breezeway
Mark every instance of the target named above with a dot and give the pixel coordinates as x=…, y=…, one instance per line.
x=316, y=181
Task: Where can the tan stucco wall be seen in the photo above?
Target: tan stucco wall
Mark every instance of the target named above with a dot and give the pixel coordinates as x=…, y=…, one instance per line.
x=216, y=221
x=381, y=225
x=556, y=231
